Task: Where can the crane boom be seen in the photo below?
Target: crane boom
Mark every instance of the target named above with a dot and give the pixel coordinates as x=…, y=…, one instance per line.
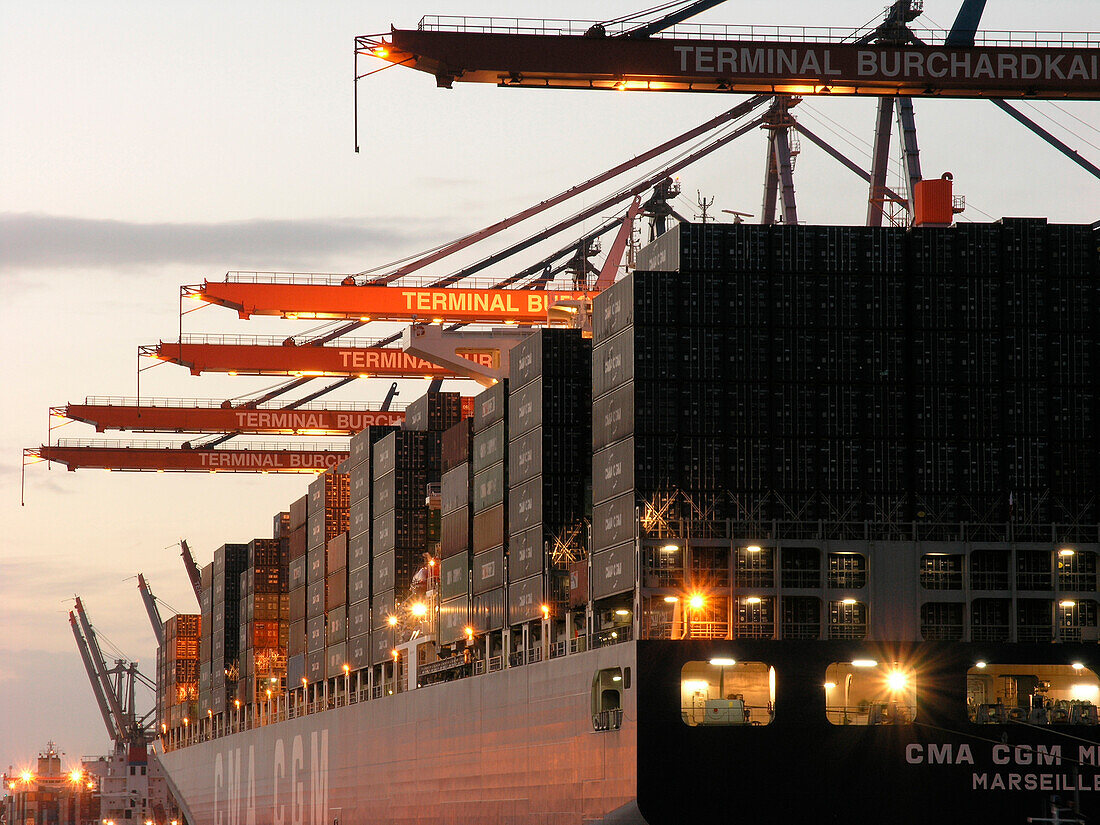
x=1063, y=66
x=244, y=355
x=193, y=572
x=170, y=415
x=93, y=677
x=117, y=714
x=151, y=608
x=151, y=455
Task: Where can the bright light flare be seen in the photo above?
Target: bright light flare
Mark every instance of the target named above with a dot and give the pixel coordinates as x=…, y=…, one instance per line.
x=896, y=680
x=696, y=601
x=76, y=776
x=419, y=609
x=392, y=620
x=26, y=776
x=864, y=663
x=723, y=662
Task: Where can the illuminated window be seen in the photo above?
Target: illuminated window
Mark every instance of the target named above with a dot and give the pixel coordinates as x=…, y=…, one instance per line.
x=1077, y=571
x=847, y=619
x=607, y=699
x=847, y=571
x=800, y=567
x=725, y=692
x=941, y=571
x=755, y=617
x=941, y=621
x=869, y=692
x=801, y=618
x=989, y=620
x=1077, y=620
x=754, y=566
x=1062, y=694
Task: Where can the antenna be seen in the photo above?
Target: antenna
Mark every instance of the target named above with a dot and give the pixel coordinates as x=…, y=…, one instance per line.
x=703, y=205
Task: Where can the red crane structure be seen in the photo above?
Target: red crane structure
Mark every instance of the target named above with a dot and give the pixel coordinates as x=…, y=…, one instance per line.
x=157, y=456
x=253, y=355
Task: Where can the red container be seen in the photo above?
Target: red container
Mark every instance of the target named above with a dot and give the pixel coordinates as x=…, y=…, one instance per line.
x=578, y=583
x=489, y=529
x=338, y=553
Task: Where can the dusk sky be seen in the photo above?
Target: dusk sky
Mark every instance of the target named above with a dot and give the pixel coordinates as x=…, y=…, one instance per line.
x=149, y=145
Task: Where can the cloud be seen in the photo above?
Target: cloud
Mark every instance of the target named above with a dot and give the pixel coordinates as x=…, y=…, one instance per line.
x=33, y=241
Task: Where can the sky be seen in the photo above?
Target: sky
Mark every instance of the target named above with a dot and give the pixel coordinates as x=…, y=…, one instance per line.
x=150, y=145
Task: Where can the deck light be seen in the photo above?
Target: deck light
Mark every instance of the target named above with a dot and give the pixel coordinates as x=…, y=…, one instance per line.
x=864, y=663
x=1067, y=603
x=1065, y=552
x=669, y=548
x=26, y=776
x=753, y=548
x=719, y=662
x=896, y=680
x=76, y=776
x=752, y=600
x=619, y=612
x=392, y=621
x=672, y=599
x=381, y=51
x=696, y=601
x=980, y=665
x=419, y=609
x=847, y=601
x=1078, y=666
x=830, y=685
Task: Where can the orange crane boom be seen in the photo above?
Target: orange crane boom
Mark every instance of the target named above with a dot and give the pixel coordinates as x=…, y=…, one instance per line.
x=156, y=456
x=576, y=54
x=242, y=355
x=383, y=303
x=171, y=415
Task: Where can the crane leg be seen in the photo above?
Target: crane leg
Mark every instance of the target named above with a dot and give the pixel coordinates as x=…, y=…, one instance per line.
x=880, y=161
x=788, y=210
x=907, y=126
x=771, y=184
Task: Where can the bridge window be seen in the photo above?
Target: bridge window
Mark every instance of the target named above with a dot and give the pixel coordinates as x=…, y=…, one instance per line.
x=1063, y=694
x=869, y=692
x=726, y=692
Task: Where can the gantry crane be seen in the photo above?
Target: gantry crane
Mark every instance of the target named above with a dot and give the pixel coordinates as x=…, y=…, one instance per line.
x=255, y=355
x=516, y=53
x=163, y=415
x=159, y=456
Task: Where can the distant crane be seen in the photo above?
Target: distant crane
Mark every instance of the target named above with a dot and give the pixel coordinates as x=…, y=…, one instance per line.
x=151, y=608
x=193, y=572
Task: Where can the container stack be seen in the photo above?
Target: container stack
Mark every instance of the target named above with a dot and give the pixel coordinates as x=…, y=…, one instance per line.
x=206, y=625
x=230, y=560
x=399, y=524
x=359, y=545
x=454, y=545
x=179, y=662
x=549, y=466
x=296, y=592
x=265, y=614
x=328, y=517
x=489, y=464
x=336, y=600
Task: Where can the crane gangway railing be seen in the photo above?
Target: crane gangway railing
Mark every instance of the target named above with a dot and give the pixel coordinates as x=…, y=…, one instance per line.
x=236, y=446
x=406, y=281
x=755, y=33
x=218, y=403
x=272, y=341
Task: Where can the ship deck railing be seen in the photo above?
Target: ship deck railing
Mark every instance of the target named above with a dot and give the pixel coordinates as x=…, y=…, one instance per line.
x=932, y=36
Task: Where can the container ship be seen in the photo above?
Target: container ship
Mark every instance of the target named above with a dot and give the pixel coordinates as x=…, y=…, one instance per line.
x=799, y=524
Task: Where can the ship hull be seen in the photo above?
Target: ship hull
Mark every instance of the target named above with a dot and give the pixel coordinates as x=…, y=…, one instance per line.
x=518, y=746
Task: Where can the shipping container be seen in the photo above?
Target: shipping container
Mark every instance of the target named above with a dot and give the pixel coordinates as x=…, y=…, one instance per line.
x=315, y=666
x=488, y=487
x=613, y=571
x=382, y=607
x=455, y=533
x=489, y=447
x=298, y=599
x=316, y=599
x=454, y=577
x=404, y=529
x=280, y=525
x=526, y=599
x=402, y=448
x=456, y=444
x=454, y=617
x=315, y=633
x=359, y=517
x=613, y=361
x=434, y=411
x=455, y=488
x=613, y=522
x=298, y=511
x=489, y=529
x=359, y=618
x=362, y=441
x=490, y=406
x=337, y=553
x=296, y=639
x=337, y=589
x=337, y=626
x=578, y=583
x=295, y=670
x=359, y=551
x=525, y=553
x=359, y=652
x=359, y=584
x=296, y=547
x=488, y=570
x=487, y=611
x=404, y=488
x=382, y=649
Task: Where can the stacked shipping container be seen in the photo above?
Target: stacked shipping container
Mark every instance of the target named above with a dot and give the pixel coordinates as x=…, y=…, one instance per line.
x=327, y=517
x=264, y=618
x=549, y=465
x=230, y=560
x=178, y=663
x=296, y=591
x=489, y=513
x=454, y=575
